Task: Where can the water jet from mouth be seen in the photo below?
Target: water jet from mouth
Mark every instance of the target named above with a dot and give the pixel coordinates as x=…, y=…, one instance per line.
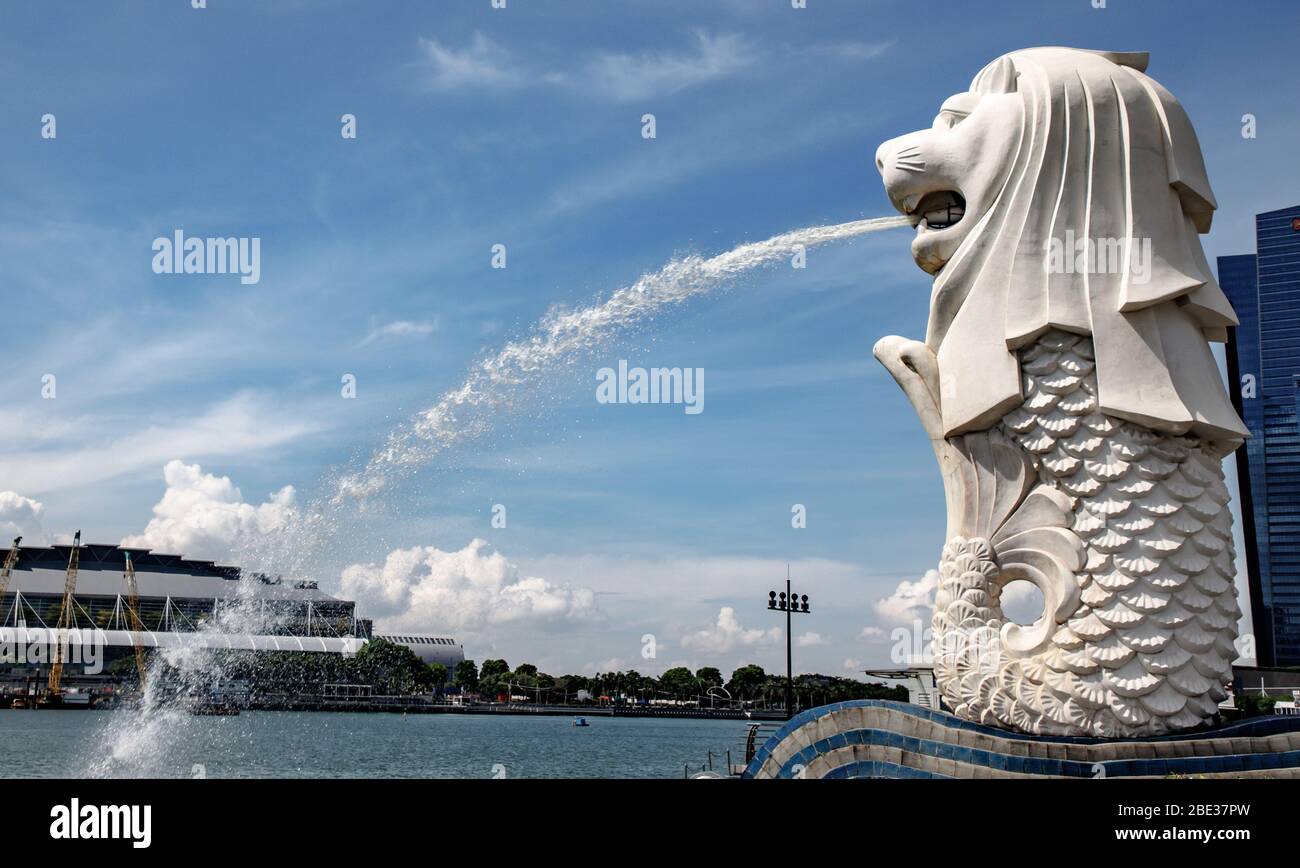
x=563, y=336
x=143, y=742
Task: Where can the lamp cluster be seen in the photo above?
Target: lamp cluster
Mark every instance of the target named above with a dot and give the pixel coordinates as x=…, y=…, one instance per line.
x=790, y=603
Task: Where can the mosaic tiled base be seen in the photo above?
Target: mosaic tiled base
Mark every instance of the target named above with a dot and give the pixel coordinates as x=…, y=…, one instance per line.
x=880, y=739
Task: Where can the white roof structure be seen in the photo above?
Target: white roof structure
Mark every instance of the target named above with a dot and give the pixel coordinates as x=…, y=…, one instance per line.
x=203, y=639
x=430, y=647
x=183, y=603
x=41, y=570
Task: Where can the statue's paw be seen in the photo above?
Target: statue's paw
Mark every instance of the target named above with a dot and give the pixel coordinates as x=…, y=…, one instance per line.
x=916, y=369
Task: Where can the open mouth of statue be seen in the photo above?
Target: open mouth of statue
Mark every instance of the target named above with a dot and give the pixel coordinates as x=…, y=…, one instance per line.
x=939, y=210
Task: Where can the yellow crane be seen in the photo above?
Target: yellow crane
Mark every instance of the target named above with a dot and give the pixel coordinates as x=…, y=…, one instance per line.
x=65, y=620
x=11, y=561
x=133, y=614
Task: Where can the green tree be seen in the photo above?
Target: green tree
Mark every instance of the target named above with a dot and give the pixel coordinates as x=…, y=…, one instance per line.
x=747, y=681
x=567, y=686
x=709, y=677
x=1254, y=704
x=392, y=668
x=467, y=675
x=526, y=669
x=493, y=667
x=438, y=675
x=679, y=682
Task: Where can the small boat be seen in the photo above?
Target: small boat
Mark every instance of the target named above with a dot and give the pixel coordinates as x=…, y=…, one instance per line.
x=20, y=702
x=580, y=721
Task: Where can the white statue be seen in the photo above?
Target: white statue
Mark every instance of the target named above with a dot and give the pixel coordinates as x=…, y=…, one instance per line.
x=1068, y=387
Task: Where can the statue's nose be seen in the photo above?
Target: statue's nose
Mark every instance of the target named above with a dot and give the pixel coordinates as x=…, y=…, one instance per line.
x=884, y=153
x=887, y=153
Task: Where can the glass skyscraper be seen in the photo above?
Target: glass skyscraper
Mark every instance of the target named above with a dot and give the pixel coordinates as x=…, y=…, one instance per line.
x=1264, y=363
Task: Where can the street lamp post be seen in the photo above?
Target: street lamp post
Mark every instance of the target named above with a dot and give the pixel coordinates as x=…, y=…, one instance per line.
x=788, y=603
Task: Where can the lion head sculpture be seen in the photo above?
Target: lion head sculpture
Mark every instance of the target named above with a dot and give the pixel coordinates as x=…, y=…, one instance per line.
x=1053, y=158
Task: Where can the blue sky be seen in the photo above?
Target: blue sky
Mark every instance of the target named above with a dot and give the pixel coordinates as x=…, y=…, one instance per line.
x=522, y=126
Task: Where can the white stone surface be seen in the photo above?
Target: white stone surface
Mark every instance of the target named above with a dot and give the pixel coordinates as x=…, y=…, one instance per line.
x=1071, y=397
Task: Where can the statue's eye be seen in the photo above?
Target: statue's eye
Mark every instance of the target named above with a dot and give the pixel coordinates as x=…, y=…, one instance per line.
x=947, y=119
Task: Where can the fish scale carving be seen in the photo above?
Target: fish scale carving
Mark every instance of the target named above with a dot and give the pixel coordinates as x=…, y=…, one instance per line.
x=1148, y=647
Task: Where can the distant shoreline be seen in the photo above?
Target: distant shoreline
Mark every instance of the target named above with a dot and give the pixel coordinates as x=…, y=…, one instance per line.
x=395, y=705
x=520, y=709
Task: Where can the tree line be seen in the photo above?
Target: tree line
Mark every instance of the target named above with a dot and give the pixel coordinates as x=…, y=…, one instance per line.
x=749, y=684
x=391, y=669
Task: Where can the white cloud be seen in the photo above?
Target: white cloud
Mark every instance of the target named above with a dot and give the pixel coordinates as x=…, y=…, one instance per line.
x=914, y=601
x=811, y=640
x=616, y=76
x=239, y=426
x=20, y=516
x=727, y=635
x=852, y=666
x=202, y=515
x=425, y=588
x=401, y=328
x=873, y=634
x=911, y=601
x=482, y=63
x=1022, y=602
x=626, y=77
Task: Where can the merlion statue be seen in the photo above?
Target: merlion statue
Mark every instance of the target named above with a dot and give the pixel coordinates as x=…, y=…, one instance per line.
x=1068, y=387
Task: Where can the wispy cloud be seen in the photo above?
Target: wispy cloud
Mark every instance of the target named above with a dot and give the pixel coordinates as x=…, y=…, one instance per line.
x=482, y=64
x=617, y=76
x=747, y=140
x=244, y=424
x=402, y=328
x=625, y=77
x=852, y=50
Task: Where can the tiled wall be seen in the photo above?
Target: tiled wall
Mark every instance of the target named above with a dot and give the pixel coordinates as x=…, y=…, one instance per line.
x=877, y=738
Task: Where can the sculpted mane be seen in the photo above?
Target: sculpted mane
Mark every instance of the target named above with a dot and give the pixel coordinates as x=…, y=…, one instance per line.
x=1104, y=156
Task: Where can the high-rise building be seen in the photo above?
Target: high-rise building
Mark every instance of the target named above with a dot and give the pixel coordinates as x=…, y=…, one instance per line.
x=1264, y=362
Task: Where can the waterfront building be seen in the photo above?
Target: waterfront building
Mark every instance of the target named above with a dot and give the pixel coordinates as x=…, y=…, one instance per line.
x=429, y=647
x=182, y=603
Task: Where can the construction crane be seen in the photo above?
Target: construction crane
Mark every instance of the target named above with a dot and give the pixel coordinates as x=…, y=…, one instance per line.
x=11, y=561
x=133, y=614
x=54, y=692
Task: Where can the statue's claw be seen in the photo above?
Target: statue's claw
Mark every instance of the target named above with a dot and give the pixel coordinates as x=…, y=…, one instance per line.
x=914, y=367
